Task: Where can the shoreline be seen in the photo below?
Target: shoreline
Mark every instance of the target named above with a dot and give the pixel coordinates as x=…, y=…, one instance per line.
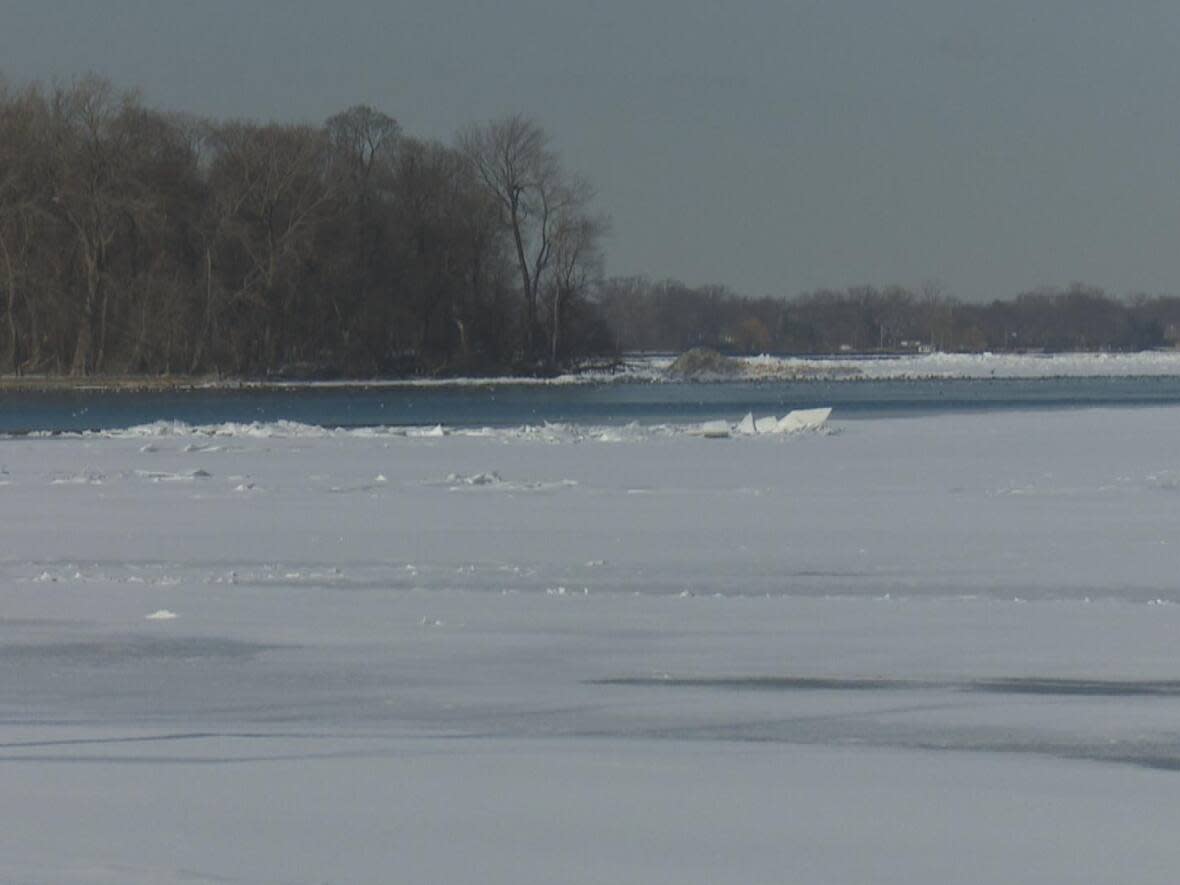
x=112, y=384
x=148, y=384
x=652, y=369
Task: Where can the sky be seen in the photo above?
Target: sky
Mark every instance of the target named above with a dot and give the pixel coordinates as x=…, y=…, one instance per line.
x=775, y=147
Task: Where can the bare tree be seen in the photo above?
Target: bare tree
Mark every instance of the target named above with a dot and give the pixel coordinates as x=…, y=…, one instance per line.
x=938, y=310
x=576, y=253
x=22, y=151
x=361, y=138
x=512, y=158
x=269, y=183
x=98, y=196
x=134, y=240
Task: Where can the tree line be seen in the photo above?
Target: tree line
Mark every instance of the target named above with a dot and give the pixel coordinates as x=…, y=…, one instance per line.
x=669, y=316
x=138, y=241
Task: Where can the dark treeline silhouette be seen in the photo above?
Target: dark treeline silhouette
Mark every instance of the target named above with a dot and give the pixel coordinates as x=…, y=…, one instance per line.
x=134, y=241
x=138, y=241
x=669, y=316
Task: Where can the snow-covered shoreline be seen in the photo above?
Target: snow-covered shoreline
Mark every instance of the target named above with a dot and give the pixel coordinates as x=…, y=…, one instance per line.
x=917, y=367
x=653, y=370
x=836, y=367
x=972, y=365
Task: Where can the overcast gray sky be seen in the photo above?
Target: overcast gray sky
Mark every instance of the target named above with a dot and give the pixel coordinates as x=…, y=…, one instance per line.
x=772, y=146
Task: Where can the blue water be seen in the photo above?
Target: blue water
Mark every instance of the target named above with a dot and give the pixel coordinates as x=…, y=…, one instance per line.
x=619, y=403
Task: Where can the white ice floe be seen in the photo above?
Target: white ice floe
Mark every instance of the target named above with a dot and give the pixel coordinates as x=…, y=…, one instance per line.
x=193, y=448
x=714, y=430
x=492, y=480
x=88, y=477
x=631, y=432
x=562, y=590
x=165, y=476
x=251, y=430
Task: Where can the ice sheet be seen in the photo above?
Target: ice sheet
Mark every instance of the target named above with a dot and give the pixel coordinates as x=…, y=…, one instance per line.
x=936, y=649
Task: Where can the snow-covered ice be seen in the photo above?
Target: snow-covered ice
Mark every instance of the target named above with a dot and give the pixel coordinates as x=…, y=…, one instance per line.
x=935, y=649
x=949, y=365
x=971, y=365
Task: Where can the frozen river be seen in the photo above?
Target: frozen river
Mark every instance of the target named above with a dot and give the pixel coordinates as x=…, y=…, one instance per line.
x=929, y=649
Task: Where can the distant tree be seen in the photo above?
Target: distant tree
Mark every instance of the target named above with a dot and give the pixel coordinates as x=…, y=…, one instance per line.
x=157, y=263
x=99, y=197
x=428, y=196
x=356, y=264
x=270, y=185
x=936, y=310
x=22, y=200
x=576, y=256
x=362, y=138
x=512, y=158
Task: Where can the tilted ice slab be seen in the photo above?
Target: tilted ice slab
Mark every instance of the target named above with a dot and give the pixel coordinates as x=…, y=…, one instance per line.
x=796, y=421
